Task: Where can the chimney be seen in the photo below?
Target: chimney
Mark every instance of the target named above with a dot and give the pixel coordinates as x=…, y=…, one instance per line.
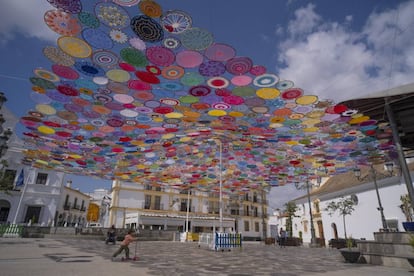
x=69, y=183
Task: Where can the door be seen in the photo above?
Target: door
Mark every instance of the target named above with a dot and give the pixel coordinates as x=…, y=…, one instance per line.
x=321, y=233
x=33, y=213
x=4, y=211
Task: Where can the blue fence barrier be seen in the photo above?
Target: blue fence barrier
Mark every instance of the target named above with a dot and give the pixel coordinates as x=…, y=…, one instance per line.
x=224, y=241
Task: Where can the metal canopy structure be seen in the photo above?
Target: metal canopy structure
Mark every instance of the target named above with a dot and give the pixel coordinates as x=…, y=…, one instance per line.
x=403, y=108
x=141, y=94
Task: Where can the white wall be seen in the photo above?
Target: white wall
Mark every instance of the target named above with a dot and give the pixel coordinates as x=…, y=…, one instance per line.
x=366, y=219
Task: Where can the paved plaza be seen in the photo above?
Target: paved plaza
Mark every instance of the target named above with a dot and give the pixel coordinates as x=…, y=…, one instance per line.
x=93, y=257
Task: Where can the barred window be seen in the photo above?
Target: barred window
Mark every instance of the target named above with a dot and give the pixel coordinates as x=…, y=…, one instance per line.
x=256, y=227
x=246, y=226
x=41, y=178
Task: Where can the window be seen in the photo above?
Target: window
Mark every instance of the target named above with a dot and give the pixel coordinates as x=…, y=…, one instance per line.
x=316, y=204
x=255, y=197
x=246, y=211
x=157, y=203
x=256, y=227
x=256, y=213
x=147, y=202
x=41, y=178
x=246, y=226
x=75, y=203
x=33, y=214
x=183, y=207
x=66, y=206
x=213, y=207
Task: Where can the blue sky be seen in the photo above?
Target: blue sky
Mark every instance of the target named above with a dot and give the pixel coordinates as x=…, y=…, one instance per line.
x=334, y=49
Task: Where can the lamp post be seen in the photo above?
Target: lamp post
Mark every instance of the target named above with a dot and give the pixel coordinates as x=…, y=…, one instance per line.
x=373, y=174
x=220, y=144
x=221, y=184
x=187, y=214
x=312, y=227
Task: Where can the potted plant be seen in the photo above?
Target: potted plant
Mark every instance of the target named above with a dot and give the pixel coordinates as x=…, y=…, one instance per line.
x=351, y=253
x=407, y=209
x=345, y=206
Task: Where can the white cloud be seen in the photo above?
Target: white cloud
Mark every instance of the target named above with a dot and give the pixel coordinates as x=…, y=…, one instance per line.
x=26, y=18
x=331, y=61
x=306, y=20
x=280, y=195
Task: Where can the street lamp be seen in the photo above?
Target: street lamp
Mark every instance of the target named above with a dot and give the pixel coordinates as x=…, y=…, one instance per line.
x=220, y=144
x=373, y=173
x=312, y=228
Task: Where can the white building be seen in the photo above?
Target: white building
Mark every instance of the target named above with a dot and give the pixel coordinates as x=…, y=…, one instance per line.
x=73, y=208
x=37, y=193
x=165, y=208
x=364, y=220
x=101, y=200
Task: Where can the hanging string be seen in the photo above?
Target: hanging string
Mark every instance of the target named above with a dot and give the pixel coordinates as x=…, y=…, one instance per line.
x=12, y=77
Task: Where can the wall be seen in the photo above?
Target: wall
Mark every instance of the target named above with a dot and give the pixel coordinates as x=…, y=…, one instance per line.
x=366, y=219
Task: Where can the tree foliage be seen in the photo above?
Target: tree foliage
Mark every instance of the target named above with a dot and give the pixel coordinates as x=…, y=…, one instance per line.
x=290, y=209
x=406, y=207
x=344, y=206
x=6, y=180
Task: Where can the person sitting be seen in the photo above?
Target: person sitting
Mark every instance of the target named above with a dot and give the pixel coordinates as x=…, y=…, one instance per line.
x=111, y=235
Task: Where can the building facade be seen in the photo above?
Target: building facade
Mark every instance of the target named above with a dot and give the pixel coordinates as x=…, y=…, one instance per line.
x=73, y=208
x=363, y=221
x=163, y=208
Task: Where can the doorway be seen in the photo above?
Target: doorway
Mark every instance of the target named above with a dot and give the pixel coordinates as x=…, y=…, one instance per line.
x=33, y=213
x=4, y=211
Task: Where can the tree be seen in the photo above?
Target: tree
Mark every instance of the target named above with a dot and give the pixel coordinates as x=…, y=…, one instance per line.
x=290, y=209
x=406, y=207
x=6, y=179
x=345, y=206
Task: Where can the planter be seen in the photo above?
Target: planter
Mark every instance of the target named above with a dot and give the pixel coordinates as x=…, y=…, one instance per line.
x=350, y=255
x=408, y=226
x=411, y=261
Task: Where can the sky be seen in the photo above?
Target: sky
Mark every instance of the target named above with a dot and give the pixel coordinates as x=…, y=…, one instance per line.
x=337, y=50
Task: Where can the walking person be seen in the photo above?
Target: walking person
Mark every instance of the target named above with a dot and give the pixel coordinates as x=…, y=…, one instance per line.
x=282, y=237
x=124, y=245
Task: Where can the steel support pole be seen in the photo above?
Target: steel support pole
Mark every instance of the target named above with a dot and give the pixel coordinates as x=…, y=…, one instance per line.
x=313, y=236
x=401, y=158
x=380, y=208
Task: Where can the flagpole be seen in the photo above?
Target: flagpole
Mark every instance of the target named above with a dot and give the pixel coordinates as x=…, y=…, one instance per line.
x=21, y=197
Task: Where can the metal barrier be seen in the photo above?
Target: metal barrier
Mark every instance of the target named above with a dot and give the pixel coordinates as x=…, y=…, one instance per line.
x=11, y=231
x=206, y=239
x=220, y=241
x=227, y=241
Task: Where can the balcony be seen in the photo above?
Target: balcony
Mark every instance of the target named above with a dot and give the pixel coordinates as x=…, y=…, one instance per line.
x=66, y=207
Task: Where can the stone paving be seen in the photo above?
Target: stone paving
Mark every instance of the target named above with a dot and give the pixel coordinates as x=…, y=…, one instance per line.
x=93, y=257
